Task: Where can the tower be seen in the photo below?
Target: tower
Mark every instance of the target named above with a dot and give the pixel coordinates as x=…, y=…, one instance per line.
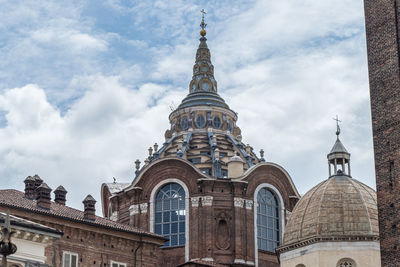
x=213, y=199
x=383, y=44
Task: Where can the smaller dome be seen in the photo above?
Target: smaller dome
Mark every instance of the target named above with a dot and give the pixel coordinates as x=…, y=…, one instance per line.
x=339, y=208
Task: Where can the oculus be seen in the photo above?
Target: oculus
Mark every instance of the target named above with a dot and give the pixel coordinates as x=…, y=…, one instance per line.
x=200, y=121
x=217, y=122
x=185, y=123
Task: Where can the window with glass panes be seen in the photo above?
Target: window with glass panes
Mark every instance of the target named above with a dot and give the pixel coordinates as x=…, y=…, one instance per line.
x=170, y=214
x=117, y=264
x=268, y=228
x=70, y=259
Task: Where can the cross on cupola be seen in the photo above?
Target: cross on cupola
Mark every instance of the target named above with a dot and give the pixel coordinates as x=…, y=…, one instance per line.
x=203, y=25
x=338, y=158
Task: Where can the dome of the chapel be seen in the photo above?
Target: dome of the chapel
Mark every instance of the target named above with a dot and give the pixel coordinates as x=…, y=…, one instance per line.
x=339, y=208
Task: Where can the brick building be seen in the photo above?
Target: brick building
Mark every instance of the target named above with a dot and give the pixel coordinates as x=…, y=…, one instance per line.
x=216, y=201
x=88, y=240
x=383, y=44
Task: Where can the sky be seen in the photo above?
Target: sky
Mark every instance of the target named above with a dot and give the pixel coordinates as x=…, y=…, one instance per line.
x=87, y=86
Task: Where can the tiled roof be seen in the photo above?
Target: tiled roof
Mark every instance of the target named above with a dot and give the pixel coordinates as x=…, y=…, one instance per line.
x=16, y=199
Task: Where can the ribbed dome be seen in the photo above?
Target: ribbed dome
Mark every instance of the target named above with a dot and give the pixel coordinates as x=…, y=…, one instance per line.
x=339, y=208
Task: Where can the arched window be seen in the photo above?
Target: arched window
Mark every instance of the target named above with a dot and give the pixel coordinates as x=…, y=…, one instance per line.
x=346, y=263
x=268, y=220
x=300, y=265
x=170, y=214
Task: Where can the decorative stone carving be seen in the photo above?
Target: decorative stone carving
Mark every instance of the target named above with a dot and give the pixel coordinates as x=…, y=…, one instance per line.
x=143, y=208
x=238, y=202
x=195, y=201
x=133, y=210
x=207, y=201
x=249, y=204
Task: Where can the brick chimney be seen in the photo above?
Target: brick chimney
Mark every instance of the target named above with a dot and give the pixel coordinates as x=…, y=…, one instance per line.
x=60, y=195
x=90, y=209
x=43, y=196
x=30, y=187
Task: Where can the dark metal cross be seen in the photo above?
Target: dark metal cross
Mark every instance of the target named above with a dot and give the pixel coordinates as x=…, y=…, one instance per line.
x=202, y=25
x=337, y=125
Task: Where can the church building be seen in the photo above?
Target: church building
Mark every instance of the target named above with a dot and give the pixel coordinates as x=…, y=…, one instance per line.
x=209, y=194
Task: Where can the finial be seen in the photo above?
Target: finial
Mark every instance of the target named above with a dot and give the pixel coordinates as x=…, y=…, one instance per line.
x=203, y=25
x=155, y=147
x=262, y=153
x=115, y=180
x=337, y=126
x=137, y=163
x=150, y=151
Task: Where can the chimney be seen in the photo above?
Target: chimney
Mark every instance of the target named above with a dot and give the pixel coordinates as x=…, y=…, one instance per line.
x=30, y=187
x=43, y=196
x=60, y=195
x=235, y=167
x=37, y=183
x=90, y=209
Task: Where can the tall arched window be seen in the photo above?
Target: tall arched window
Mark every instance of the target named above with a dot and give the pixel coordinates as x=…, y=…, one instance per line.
x=170, y=214
x=268, y=221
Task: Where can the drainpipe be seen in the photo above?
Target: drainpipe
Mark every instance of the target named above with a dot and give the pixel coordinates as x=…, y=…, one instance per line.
x=134, y=254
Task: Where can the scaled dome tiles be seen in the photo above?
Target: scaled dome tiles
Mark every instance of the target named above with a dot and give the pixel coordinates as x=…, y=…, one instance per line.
x=340, y=208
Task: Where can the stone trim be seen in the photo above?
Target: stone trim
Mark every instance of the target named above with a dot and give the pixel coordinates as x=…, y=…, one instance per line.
x=249, y=204
x=207, y=201
x=238, y=202
x=134, y=209
x=143, y=208
x=207, y=259
x=313, y=240
x=114, y=216
x=195, y=201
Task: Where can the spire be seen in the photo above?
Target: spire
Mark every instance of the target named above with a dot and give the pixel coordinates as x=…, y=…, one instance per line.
x=338, y=157
x=203, y=86
x=203, y=71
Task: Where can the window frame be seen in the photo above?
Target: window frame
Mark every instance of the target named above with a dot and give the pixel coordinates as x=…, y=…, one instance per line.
x=281, y=213
x=187, y=213
x=70, y=253
x=120, y=264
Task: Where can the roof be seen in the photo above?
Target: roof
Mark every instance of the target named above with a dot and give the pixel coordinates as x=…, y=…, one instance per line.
x=115, y=188
x=16, y=199
x=338, y=147
x=337, y=207
x=27, y=225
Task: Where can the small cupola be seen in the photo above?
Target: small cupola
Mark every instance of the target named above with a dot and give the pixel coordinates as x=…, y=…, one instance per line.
x=43, y=196
x=60, y=195
x=89, y=204
x=235, y=166
x=338, y=158
x=30, y=187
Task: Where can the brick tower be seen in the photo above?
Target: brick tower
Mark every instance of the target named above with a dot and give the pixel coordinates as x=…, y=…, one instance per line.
x=383, y=43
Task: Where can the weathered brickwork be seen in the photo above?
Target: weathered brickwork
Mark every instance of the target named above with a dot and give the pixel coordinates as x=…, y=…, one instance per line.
x=383, y=43
x=221, y=212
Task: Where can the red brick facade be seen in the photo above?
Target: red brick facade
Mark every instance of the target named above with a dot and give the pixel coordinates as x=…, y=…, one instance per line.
x=221, y=211
x=383, y=43
x=97, y=242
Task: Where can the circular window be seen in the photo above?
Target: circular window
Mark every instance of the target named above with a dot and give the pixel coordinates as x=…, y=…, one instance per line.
x=205, y=86
x=204, y=68
x=184, y=123
x=217, y=122
x=200, y=121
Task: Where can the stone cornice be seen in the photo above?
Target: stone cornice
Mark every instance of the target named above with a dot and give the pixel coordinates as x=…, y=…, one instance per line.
x=312, y=240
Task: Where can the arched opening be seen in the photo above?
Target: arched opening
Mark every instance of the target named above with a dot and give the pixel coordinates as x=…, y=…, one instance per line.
x=346, y=262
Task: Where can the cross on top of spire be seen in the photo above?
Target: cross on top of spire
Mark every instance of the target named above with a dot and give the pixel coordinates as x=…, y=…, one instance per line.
x=337, y=125
x=203, y=25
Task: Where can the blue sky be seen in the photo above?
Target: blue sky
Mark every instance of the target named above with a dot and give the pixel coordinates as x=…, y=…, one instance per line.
x=86, y=86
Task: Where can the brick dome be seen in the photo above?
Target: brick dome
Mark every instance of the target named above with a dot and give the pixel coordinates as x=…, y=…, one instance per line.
x=339, y=208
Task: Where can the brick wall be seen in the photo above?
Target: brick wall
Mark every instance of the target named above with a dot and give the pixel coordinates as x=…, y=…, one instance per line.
x=382, y=28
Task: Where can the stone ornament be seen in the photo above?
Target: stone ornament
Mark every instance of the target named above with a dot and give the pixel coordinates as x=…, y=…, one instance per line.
x=249, y=204
x=114, y=216
x=133, y=210
x=238, y=202
x=195, y=201
x=207, y=201
x=143, y=208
